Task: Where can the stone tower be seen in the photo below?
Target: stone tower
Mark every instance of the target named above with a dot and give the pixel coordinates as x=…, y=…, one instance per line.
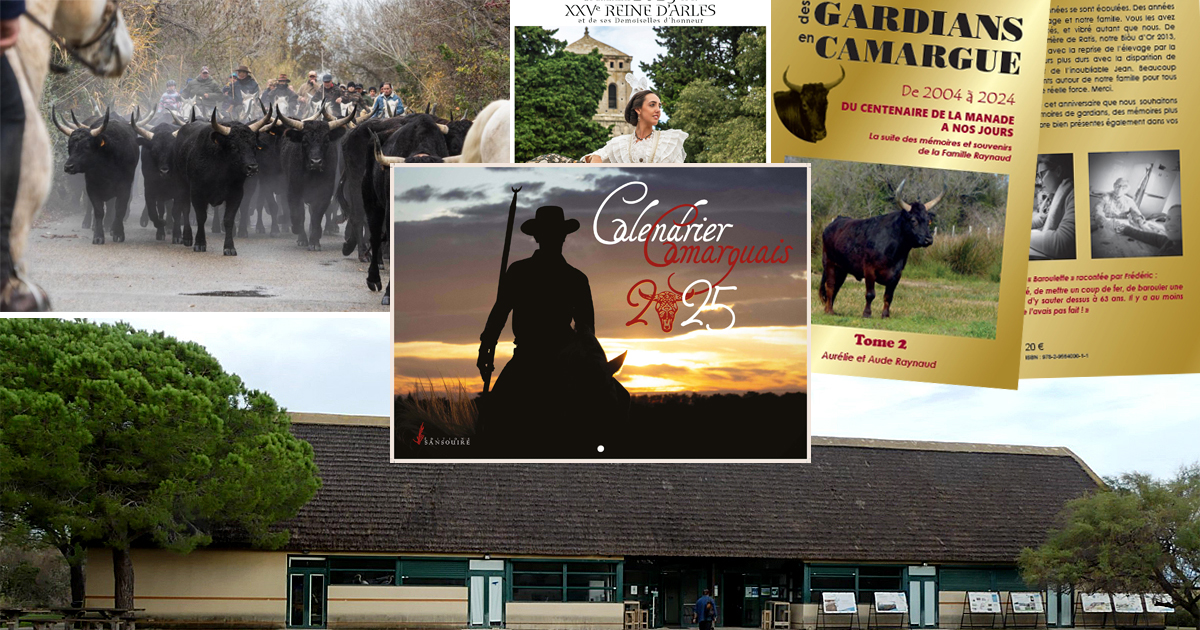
x=611, y=112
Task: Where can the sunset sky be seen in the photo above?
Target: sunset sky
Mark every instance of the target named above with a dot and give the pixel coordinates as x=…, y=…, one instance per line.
x=450, y=237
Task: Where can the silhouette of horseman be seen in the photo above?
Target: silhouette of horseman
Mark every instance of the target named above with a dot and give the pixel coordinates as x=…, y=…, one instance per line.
x=557, y=391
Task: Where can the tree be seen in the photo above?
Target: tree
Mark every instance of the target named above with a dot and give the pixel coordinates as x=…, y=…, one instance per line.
x=450, y=52
x=1139, y=535
x=704, y=52
x=557, y=95
x=724, y=113
x=115, y=437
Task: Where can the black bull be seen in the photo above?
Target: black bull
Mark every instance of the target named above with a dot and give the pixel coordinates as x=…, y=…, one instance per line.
x=801, y=108
x=875, y=250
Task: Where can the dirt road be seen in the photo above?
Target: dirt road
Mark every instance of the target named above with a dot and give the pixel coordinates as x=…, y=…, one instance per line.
x=142, y=274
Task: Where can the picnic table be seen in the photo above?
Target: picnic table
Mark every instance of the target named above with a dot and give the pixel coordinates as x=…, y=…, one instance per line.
x=98, y=618
x=70, y=618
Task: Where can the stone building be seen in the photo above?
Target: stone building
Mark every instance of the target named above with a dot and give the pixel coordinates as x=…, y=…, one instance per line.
x=611, y=109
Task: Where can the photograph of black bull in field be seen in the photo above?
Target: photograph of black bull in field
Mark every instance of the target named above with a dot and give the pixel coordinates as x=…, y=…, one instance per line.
x=874, y=250
x=801, y=108
x=942, y=230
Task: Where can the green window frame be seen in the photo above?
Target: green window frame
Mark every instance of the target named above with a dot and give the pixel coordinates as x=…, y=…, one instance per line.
x=982, y=579
x=864, y=581
x=395, y=571
x=564, y=581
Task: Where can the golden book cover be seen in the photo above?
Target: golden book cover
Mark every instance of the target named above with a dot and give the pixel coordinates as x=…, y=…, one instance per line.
x=920, y=121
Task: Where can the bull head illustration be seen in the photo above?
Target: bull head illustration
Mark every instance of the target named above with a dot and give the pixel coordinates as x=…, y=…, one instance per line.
x=801, y=108
x=666, y=303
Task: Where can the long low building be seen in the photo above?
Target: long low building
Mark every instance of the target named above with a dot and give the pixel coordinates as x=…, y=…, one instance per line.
x=572, y=546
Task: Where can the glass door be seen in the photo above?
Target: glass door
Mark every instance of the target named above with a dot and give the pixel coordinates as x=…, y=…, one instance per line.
x=922, y=597
x=485, y=594
x=1059, y=608
x=308, y=593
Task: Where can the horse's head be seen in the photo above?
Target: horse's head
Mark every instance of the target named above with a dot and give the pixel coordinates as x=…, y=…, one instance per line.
x=95, y=29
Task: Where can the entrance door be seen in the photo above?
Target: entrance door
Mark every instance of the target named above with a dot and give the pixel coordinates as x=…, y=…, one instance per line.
x=307, y=596
x=1059, y=611
x=922, y=597
x=485, y=596
x=734, y=589
x=672, y=605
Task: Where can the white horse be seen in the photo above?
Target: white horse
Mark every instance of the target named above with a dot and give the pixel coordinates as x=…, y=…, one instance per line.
x=95, y=29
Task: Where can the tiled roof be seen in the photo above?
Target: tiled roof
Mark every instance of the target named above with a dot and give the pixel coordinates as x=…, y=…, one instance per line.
x=859, y=500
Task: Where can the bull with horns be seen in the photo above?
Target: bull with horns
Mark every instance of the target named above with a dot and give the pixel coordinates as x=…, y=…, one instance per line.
x=874, y=250
x=801, y=108
x=308, y=158
x=107, y=155
x=215, y=160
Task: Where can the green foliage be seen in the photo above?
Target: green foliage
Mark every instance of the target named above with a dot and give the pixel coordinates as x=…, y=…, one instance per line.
x=1138, y=535
x=707, y=52
x=557, y=95
x=112, y=436
x=712, y=84
x=859, y=191
x=534, y=43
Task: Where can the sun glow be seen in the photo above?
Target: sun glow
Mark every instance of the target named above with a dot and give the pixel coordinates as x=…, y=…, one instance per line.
x=771, y=358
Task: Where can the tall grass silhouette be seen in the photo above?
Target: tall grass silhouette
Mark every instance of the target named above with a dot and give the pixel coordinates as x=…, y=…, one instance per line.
x=448, y=412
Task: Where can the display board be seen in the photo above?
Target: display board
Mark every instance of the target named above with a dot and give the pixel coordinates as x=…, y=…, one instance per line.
x=1027, y=602
x=921, y=125
x=984, y=603
x=839, y=603
x=1110, y=251
x=891, y=602
x=1095, y=602
x=1128, y=603
x=1159, y=603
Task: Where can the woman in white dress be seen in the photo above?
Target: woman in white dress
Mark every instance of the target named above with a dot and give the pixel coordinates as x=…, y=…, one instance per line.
x=645, y=145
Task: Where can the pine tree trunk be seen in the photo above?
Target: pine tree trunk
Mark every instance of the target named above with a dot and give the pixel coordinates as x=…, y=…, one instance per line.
x=122, y=578
x=75, y=556
x=78, y=583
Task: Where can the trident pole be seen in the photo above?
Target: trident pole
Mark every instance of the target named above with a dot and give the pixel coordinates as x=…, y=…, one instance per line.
x=512, y=217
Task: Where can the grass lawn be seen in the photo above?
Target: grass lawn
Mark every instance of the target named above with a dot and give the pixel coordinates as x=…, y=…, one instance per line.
x=957, y=306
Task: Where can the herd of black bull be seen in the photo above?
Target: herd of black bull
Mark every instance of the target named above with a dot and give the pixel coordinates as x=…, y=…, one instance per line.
x=266, y=165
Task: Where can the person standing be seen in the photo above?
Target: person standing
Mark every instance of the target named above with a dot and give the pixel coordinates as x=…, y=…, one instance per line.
x=385, y=99
x=706, y=611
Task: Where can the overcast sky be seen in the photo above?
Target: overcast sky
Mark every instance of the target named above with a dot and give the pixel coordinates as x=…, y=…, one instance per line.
x=329, y=364
x=1148, y=424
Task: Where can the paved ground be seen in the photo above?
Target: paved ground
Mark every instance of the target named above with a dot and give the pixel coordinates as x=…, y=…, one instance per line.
x=142, y=274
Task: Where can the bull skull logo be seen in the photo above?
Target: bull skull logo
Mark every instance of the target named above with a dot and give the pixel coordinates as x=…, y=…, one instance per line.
x=666, y=303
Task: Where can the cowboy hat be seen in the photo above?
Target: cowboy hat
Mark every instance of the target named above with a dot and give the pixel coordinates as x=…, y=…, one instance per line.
x=549, y=220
